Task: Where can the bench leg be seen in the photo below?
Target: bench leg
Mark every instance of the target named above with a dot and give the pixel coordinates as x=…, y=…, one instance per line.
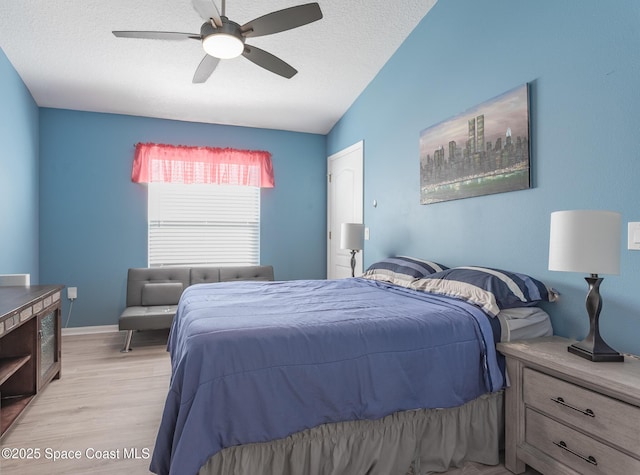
x=127, y=342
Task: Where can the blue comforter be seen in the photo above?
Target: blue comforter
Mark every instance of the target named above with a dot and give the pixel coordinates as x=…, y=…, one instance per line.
x=257, y=361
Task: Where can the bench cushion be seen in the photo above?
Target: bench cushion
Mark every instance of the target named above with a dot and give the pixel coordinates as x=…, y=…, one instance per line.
x=246, y=273
x=161, y=293
x=153, y=293
x=138, y=277
x=205, y=275
x=147, y=318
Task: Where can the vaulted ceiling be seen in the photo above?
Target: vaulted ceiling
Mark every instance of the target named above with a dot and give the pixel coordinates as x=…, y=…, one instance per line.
x=68, y=58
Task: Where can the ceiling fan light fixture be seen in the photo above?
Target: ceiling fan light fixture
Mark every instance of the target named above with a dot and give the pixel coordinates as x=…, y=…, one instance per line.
x=223, y=45
x=222, y=38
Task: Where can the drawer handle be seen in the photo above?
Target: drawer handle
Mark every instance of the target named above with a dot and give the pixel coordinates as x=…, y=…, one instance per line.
x=586, y=412
x=590, y=459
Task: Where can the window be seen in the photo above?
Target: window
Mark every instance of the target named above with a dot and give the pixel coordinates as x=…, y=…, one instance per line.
x=198, y=224
x=204, y=203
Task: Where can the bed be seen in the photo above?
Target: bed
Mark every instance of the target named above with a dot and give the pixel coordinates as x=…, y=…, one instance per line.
x=393, y=372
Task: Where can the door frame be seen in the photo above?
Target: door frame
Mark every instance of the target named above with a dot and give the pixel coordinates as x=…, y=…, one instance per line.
x=334, y=233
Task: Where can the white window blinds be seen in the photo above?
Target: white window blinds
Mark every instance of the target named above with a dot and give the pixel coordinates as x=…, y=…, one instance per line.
x=203, y=224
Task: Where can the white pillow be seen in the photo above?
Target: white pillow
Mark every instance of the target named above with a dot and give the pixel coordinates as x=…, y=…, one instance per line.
x=523, y=323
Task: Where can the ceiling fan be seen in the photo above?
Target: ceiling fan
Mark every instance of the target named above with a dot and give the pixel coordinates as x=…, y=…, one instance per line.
x=225, y=39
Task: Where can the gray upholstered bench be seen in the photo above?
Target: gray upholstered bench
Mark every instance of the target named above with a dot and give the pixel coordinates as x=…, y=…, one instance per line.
x=153, y=293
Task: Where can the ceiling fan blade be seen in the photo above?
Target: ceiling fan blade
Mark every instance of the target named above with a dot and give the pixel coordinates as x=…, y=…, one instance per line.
x=157, y=35
x=268, y=61
x=282, y=20
x=207, y=10
x=205, y=68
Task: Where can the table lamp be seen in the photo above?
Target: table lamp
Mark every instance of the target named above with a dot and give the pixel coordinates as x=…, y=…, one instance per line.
x=587, y=241
x=352, y=237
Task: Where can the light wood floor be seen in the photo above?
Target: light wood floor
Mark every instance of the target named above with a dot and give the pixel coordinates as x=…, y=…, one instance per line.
x=109, y=403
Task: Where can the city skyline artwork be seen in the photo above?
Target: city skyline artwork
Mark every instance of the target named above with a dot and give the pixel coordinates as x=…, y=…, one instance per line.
x=484, y=150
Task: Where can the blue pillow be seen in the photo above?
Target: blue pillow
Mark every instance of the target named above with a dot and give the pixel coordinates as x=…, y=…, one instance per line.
x=489, y=289
x=402, y=270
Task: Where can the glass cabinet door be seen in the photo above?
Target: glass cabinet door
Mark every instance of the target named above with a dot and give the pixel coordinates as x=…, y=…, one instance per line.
x=48, y=346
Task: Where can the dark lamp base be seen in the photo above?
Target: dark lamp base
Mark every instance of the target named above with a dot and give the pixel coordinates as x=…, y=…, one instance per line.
x=353, y=262
x=593, y=347
x=597, y=356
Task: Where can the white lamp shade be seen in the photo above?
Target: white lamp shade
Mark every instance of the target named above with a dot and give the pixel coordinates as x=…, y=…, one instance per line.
x=352, y=236
x=586, y=241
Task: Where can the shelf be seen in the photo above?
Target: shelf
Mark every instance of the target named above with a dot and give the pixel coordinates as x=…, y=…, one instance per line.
x=11, y=409
x=32, y=312
x=9, y=366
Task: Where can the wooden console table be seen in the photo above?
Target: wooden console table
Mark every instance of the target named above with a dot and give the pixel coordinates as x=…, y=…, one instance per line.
x=30, y=353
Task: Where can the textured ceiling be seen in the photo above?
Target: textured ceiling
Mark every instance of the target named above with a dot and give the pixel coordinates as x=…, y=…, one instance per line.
x=66, y=55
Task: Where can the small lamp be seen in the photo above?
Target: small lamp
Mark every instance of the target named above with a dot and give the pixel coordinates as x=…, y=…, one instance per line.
x=352, y=237
x=587, y=241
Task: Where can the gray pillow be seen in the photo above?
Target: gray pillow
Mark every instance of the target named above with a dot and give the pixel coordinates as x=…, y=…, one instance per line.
x=163, y=293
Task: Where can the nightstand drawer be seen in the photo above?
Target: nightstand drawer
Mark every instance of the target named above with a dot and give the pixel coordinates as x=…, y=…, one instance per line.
x=574, y=449
x=596, y=414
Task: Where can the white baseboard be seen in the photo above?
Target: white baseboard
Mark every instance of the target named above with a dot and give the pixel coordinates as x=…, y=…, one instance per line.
x=90, y=330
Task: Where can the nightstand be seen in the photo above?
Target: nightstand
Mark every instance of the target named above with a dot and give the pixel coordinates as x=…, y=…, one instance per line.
x=567, y=415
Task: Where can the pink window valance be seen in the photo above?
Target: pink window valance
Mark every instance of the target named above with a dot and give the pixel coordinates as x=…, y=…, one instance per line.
x=159, y=163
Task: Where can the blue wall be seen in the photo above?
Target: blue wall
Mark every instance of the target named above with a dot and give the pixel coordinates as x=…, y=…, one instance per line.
x=18, y=175
x=93, y=218
x=582, y=61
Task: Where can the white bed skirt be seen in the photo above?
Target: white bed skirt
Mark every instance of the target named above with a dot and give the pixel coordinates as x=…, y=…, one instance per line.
x=414, y=442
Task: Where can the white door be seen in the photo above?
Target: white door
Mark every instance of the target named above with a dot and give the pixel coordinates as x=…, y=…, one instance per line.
x=345, y=205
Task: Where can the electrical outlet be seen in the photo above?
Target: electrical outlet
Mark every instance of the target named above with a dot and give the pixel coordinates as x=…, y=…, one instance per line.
x=72, y=293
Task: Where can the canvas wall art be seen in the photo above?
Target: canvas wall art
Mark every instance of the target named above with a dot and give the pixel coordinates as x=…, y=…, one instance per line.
x=482, y=151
